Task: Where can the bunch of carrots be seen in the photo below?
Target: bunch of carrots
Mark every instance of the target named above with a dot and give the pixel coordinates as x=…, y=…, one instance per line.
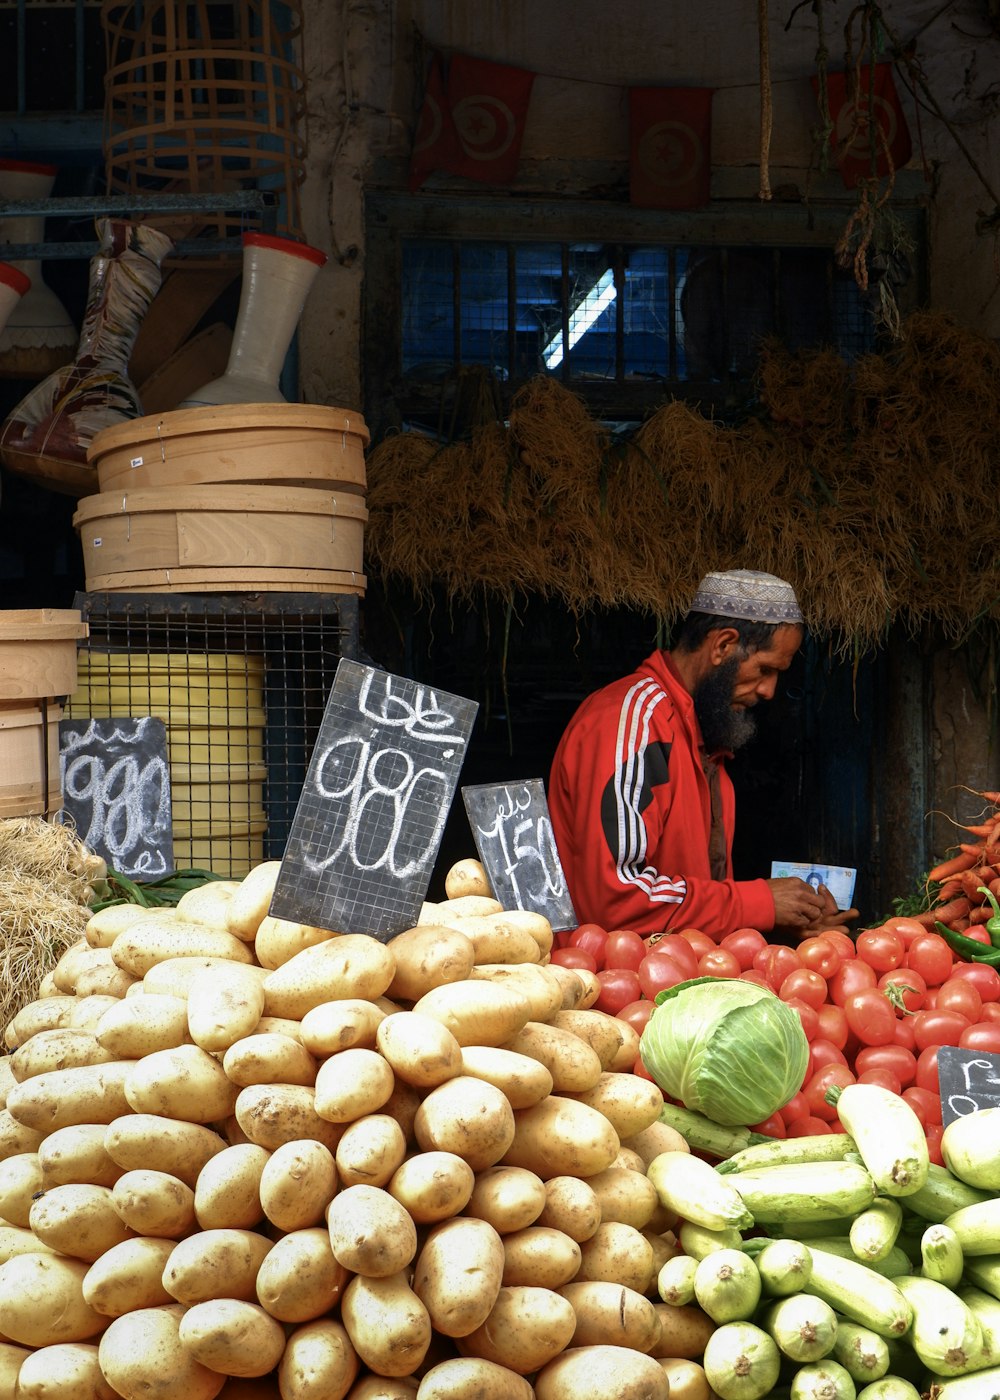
x=969, y=884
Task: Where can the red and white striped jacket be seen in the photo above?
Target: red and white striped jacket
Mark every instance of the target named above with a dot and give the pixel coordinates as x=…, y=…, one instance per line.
x=631, y=813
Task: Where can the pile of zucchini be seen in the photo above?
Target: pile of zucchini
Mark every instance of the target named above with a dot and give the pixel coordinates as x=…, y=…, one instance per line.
x=846, y=1266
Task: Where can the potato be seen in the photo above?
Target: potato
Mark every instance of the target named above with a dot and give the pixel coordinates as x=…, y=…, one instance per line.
x=11, y=1360
x=687, y=1379
x=139, y=1026
x=208, y=903
x=299, y=1278
x=591, y=993
x=279, y=1025
x=215, y=1264
x=270, y=1114
x=571, y=1206
x=684, y=1331
x=629, y=1102
x=419, y=1049
x=657, y=1138
x=472, y=1378
x=186, y=1083
x=154, y=1203
x=497, y=939
x=626, y=1196
x=467, y=877
x=66, y=1371
x=370, y=1232
x=68, y=966
x=509, y=1198
x=543, y=989
x=20, y=1179
x=224, y=1005
x=232, y=1336
x=595, y=1372
x=297, y=1184
x=104, y=927
x=173, y=976
x=78, y=1220
x=83, y=1094
x=457, y=1275
x=522, y=1080
x=45, y=1015
x=7, y=1079
x=351, y=1084
x=561, y=1137
x=383, y=1388
x=476, y=1013
x=351, y=965
x=370, y=1151
x=571, y=985
x=42, y=1302
x=608, y=1314
x=403, y=1104
x=251, y=900
x=89, y=1010
x=341, y=1025
x=154, y=940
x=432, y=1186
x=17, y=1239
x=128, y=1276
x=428, y=956
x=388, y=1325
x=617, y=1254
x=319, y=1360
x=540, y=1256
x=227, y=1191
x=573, y=1064
x=604, y=1034
x=141, y=1354
x=57, y=1049
x=15, y=1138
x=468, y=1117
x=526, y=1328
x=269, y=1058
x=147, y=1141
x=628, y=1160
x=101, y=977
x=278, y=940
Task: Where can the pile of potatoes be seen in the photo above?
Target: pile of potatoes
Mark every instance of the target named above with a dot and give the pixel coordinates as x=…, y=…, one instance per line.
x=249, y=1158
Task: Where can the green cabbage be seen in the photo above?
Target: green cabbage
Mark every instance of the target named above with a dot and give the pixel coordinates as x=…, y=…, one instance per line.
x=725, y=1048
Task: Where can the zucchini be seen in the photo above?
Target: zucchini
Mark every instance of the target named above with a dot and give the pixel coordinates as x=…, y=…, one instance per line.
x=804, y=1191
x=889, y=1136
x=893, y=1388
x=945, y=1332
x=896, y=1262
x=942, y=1194
x=804, y=1327
x=941, y=1256
x=702, y=1134
x=687, y=1185
x=784, y=1267
x=727, y=1286
x=981, y=1385
x=823, y=1380
x=859, y=1293
x=987, y=1311
x=861, y=1352
x=875, y=1229
x=984, y=1272
x=823, y=1147
x=699, y=1242
x=970, y=1147
x=977, y=1227
x=675, y=1281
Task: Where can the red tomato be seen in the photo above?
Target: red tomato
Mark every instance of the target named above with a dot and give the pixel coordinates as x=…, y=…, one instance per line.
x=637, y=1013
x=934, y=1132
x=657, y=971
x=881, y=949
x=819, y=955
x=592, y=938
x=870, y=1016
x=778, y=962
x=640, y=1069
x=900, y=1062
x=990, y=1011
x=624, y=948
x=771, y=1127
x=884, y=1078
x=908, y=929
x=843, y=943
x=959, y=994
x=807, y=1014
x=851, y=976
x=619, y=986
x=927, y=1069
x=832, y=1024
x=718, y=963
x=903, y=1034
x=978, y=933
x=816, y=1086
x=930, y=1000
x=821, y=1053
x=930, y=955
x=938, y=1028
x=684, y=953
x=805, y=986
x=699, y=941
x=984, y=978
x=744, y=944
x=757, y=978
x=795, y=1108
x=925, y=1104
x=573, y=957
x=984, y=1036
x=808, y=1127
x=912, y=989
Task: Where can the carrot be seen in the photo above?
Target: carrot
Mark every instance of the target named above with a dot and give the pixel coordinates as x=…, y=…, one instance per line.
x=983, y=830
x=951, y=889
x=954, y=909
x=973, y=879
x=965, y=861
x=991, y=854
x=980, y=915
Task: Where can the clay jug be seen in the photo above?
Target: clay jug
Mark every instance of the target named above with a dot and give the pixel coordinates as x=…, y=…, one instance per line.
x=39, y=336
x=14, y=286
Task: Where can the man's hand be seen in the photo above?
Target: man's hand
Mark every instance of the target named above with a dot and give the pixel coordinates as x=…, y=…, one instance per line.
x=797, y=906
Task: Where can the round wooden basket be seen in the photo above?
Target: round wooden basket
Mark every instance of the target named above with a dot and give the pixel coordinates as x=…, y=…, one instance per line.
x=223, y=538
x=38, y=652
x=26, y=731
x=296, y=444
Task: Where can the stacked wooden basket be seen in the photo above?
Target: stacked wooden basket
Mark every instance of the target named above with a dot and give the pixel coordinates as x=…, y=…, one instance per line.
x=231, y=498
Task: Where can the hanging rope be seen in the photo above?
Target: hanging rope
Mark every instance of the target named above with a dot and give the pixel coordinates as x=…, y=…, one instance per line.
x=766, y=112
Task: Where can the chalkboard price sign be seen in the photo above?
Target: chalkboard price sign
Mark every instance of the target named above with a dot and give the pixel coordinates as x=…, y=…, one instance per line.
x=369, y=820
x=969, y=1080
x=512, y=830
x=116, y=788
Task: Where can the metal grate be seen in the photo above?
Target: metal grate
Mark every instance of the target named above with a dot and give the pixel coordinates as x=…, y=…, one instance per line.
x=241, y=682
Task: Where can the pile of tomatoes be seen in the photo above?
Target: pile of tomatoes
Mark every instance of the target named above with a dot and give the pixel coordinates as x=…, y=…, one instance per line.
x=875, y=1009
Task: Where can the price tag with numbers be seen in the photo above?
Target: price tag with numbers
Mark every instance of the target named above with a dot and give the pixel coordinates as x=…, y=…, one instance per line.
x=969, y=1080
x=116, y=788
x=513, y=835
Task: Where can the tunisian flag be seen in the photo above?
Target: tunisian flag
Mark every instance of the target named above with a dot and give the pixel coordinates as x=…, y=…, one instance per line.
x=472, y=120
x=670, y=147
x=850, y=140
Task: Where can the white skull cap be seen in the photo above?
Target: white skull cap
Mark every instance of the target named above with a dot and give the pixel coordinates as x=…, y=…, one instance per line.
x=748, y=595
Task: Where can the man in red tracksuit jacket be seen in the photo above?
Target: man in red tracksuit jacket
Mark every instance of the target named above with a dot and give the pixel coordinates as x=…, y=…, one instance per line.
x=642, y=806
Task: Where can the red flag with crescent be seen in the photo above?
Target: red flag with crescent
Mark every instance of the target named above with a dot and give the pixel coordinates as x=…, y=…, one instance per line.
x=850, y=140
x=472, y=121
x=670, y=147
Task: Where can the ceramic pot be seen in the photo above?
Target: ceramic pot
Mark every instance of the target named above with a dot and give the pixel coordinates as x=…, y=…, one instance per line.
x=47, y=435
x=14, y=287
x=39, y=336
x=277, y=276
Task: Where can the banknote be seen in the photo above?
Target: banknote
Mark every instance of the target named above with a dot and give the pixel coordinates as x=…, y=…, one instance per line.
x=839, y=879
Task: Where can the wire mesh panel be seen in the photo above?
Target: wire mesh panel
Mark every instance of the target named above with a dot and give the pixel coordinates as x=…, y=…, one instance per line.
x=241, y=682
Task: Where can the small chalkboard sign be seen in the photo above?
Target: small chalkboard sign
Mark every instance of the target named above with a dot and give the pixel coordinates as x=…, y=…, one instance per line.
x=370, y=818
x=969, y=1080
x=512, y=830
x=116, y=788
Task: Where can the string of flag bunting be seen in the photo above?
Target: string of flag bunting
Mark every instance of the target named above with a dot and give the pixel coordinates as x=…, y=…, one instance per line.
x=474, y=111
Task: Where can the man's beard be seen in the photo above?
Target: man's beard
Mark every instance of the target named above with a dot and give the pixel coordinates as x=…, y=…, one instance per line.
x=722, y=727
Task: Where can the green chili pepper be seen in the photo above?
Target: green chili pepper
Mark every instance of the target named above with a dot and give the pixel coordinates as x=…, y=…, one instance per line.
x=992, y=924
x=968, y=948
